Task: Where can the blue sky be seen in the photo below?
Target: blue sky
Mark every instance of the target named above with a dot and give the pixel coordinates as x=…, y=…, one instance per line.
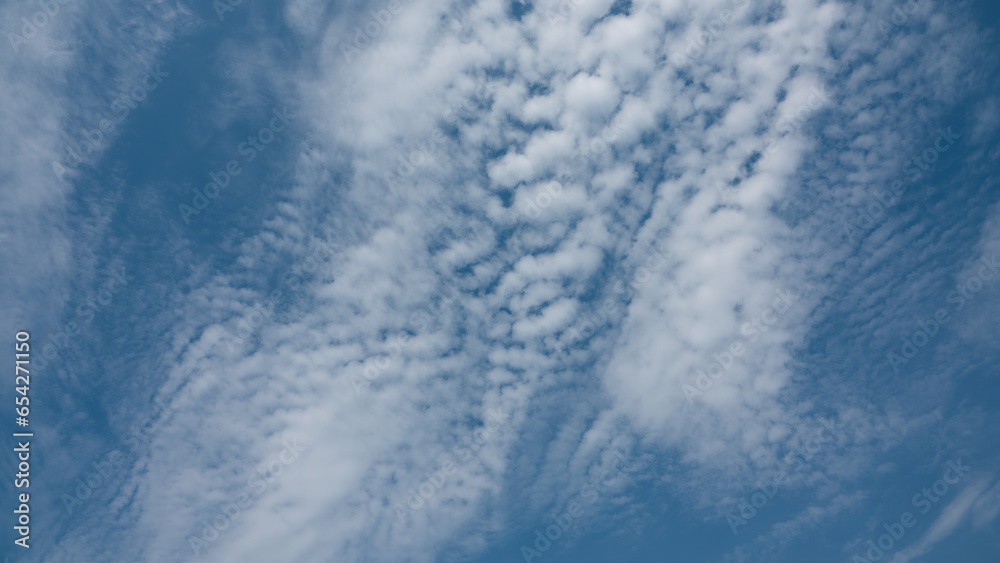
x=589, y=281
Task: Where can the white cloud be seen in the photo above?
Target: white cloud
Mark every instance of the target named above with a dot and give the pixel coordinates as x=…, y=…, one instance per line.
x=951, y=516
x=456, y=220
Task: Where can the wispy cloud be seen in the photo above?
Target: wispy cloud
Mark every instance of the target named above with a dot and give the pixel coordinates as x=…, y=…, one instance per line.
x=520, y=212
